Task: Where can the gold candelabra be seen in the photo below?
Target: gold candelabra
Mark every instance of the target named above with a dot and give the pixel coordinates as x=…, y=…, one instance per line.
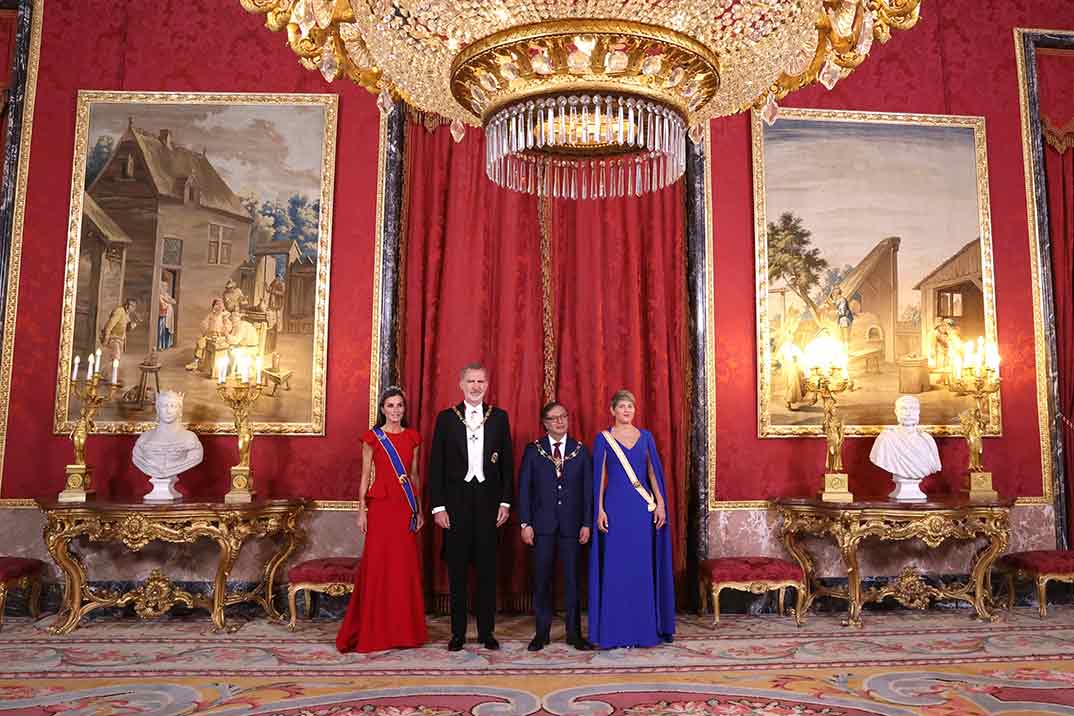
x=240, y=395
x=92, y=392
x=979, y=381
x=826, y=382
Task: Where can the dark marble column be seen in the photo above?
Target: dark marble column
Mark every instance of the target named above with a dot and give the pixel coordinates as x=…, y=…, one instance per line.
x=391, y=233
x=697, y=249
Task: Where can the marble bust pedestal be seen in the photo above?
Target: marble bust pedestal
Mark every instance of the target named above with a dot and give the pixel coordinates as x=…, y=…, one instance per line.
x=907, y=489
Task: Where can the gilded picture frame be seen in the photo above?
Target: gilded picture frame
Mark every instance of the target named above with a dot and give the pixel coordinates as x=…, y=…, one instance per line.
x=831, y=260
x=199, y=230
x=1027, y=43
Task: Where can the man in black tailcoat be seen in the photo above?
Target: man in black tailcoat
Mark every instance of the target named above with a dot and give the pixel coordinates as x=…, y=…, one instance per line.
x=471, y=482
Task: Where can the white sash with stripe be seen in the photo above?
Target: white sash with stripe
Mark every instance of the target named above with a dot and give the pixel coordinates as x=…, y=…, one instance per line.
x=650, y=503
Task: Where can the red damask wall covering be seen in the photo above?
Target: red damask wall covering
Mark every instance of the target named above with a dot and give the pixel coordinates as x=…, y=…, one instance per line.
x=959, y=60
x=204, y=46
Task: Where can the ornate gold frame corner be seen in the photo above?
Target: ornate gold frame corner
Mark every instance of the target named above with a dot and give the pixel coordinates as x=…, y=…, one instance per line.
x=765, y=428
x=86, y=98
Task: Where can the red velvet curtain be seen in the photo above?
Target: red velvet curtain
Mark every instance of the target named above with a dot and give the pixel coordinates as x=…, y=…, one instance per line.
x=473, y=291
x=620, y=308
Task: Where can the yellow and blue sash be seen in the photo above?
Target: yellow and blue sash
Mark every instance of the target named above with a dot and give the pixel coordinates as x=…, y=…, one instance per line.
x=400, y=474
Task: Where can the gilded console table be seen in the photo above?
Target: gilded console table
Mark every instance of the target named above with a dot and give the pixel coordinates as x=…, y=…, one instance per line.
x=933, y=522
x=137, y=524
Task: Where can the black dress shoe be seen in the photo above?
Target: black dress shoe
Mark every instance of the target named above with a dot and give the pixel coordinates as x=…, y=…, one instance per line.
x=537, y=643
x=580, y=644
x=491, y=644
x=456, y=643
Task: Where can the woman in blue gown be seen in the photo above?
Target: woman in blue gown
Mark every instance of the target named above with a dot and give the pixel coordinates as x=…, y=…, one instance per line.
x=631, y=585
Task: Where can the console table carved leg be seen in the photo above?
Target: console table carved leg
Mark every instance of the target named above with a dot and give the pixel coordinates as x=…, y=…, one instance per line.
x=293, y=537
x=801, y=555
x=848, y=549
x=230, y=547
x=74, y=584
x=982, y=567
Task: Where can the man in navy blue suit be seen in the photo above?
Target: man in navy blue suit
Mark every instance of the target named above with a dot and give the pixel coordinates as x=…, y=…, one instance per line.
x=556, y=510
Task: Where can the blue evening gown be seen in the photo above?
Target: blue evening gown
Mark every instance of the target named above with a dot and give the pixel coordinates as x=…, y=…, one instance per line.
x=631, y=585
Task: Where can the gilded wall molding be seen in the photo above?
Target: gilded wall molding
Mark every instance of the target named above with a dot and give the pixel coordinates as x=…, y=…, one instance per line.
x=1044, y=337
x=378, y=263
x=14, y=253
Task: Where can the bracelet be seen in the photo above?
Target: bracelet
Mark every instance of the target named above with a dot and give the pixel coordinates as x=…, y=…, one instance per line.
x=362, y=507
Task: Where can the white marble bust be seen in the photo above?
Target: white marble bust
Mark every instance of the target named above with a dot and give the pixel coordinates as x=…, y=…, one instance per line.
x=168, y=449
x=906, y=451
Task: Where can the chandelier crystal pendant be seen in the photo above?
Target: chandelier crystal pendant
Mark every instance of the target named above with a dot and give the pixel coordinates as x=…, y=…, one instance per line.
x=584, y=109
x=590, y=99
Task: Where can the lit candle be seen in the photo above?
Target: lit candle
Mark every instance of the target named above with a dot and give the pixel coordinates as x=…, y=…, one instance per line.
x=74, y=370
x=258, y=365
x=244, y=372
x=115, y=371
x=993, y=358
x=89, y=367
x=97, y=360
x=846, y=373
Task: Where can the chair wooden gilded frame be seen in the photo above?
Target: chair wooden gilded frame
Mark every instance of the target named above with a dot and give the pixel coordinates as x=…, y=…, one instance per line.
x=21, y=573
x=1039, y=566
x=756, y=575
x=333, y=576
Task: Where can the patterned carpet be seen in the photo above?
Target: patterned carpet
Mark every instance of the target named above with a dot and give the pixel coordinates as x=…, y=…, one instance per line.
x=902, y=663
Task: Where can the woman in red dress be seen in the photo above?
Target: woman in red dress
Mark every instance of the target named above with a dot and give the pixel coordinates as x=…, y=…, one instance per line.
x=387, y=609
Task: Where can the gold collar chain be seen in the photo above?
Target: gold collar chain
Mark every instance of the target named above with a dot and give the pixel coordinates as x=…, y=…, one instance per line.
x=480, y=425
x=557, y=463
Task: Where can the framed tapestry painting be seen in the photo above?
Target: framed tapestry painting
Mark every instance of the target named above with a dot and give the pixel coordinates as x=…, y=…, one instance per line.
x=199, y=235
x=872, y=230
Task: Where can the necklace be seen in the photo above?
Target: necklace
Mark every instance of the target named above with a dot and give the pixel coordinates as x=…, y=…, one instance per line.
x=480, y=425
x=558, y=463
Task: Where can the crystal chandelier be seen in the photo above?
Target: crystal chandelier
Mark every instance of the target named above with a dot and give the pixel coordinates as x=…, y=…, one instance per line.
x=585, y=99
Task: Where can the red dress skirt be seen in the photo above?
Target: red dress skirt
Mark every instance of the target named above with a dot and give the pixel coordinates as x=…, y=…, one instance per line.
x=387, y=609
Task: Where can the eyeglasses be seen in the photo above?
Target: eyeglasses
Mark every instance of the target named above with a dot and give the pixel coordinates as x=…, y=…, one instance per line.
x=555, y=418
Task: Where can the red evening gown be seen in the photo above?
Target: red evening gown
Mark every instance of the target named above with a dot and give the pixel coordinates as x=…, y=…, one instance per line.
x=386, y=610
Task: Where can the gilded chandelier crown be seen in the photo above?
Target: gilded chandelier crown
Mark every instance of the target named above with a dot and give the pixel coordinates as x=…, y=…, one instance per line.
x=586, y=108
x=586, y=99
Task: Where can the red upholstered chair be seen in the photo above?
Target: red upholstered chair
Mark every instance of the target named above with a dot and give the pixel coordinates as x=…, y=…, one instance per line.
x=333, y=576
x=1042, y=566
x=751, y=574
x=21, y=573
